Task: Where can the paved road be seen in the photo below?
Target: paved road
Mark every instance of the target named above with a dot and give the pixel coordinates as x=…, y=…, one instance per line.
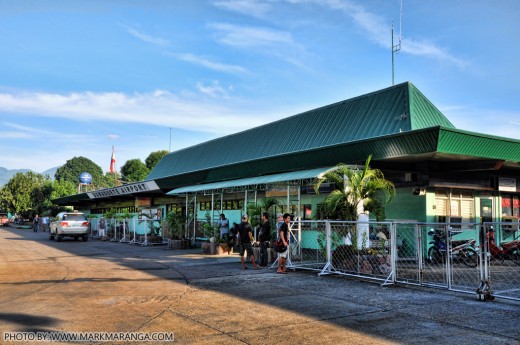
x=109, y=287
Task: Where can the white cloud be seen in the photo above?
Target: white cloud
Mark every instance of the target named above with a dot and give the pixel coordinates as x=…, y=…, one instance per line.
x=216, y=66
x=248, y=36
x=154, y=108
x=265, y=41
x=146, y=38
x=42, y=133
x=377, y=29
x=214, y=90
x=249, y=7
x=112, y=136
x=374, y=26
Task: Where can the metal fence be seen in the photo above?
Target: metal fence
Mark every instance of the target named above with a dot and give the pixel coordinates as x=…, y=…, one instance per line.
x=131, y=230
x=464, y=257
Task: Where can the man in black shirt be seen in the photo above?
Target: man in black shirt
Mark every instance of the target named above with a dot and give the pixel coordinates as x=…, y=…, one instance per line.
x=246, y=237
x=264, y=236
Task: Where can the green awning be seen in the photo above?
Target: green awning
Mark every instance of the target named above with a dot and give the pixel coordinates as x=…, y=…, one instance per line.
x=259, y=182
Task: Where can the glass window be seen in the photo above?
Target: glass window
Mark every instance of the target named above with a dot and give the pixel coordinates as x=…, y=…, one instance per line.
x=307, y=212
x=455, y=203
x=507, y=209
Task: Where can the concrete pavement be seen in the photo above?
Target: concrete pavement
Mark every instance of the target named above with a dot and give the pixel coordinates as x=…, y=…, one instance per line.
x=96, y=286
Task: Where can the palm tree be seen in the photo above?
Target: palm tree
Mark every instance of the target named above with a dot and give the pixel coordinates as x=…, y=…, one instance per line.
x=255, y=211
x=357, y=191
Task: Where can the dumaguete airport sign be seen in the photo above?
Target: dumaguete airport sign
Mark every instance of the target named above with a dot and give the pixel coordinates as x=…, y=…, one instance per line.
x=131, y=188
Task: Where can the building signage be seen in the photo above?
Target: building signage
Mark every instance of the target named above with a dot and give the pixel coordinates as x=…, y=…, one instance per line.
x=124, y=190
x=506, y=184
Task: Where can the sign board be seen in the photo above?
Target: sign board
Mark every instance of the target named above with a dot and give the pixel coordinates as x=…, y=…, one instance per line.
x=506, y=184
x=130, y=188
x=143, y=202
x=279, y=191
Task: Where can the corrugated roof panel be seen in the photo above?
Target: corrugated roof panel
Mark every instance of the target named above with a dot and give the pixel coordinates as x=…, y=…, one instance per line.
x=430, y=115
x=391, y=146
x=367, y=116
x=479, y=145
x=283, y=177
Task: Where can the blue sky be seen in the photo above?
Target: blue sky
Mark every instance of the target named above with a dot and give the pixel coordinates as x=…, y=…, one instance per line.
x=80, y=76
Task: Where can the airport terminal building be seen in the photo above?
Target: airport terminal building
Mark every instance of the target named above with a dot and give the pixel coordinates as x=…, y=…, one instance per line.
x=441, y=173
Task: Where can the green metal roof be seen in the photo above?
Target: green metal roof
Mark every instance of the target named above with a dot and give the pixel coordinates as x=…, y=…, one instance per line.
x=251, y=181
x=438, y=143
x=460, y=142
x=423, y=113
x=396, y=109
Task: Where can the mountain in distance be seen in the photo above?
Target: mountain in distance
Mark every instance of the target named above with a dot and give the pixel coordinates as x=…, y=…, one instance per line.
x=51, y=172
x=7, y=174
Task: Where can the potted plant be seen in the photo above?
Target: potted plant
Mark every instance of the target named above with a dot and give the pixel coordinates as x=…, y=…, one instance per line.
x=173, y=230
x=225, y=245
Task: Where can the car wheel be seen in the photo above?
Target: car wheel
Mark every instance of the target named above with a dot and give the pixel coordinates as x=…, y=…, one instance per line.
x=59, y=238
x=75, y=238
x=51, y=236
x=85, y=238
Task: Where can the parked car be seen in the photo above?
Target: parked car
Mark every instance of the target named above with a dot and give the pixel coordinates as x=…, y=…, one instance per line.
x=4, y=219
x=72, y=224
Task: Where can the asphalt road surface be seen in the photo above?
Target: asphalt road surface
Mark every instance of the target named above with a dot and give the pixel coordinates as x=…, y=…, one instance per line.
x=94, y=286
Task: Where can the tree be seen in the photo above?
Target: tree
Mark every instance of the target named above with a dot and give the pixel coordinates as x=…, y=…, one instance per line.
x=71, y=170
x=24, y=193
x=62, y=188
x=154, y=158
x=112, y=179
x=356, y=190
x=134, y=170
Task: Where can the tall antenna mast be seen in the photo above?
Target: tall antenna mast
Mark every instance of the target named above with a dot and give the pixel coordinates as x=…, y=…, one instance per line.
x=170, y=146
x=396, y=48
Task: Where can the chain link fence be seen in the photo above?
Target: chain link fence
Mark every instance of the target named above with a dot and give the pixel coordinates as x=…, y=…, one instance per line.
x=461, y=257
x=501, y=262
x=465, y=257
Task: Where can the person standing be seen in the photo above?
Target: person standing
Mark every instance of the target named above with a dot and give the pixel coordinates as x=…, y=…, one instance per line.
x=102, y=226
x=283, y=235
x=234, y=236
x=264, y=237
x=223, y=224
x=45, y=223
x=36, y=223
x=246, y=238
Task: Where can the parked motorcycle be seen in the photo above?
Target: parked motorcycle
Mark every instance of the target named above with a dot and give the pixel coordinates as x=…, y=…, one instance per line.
x=461, y=251
x=506, y=250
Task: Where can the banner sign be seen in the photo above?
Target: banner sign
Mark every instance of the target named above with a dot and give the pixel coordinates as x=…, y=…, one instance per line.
x=124, y=190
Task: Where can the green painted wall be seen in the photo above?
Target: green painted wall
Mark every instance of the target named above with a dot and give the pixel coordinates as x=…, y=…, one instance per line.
x=406, y=205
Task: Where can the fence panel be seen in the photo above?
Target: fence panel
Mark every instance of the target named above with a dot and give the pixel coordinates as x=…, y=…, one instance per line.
x=361, y=249
x=94, y=228
x=503, y=259
x=408, y=255
x=438, y=254
x=308, y=245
